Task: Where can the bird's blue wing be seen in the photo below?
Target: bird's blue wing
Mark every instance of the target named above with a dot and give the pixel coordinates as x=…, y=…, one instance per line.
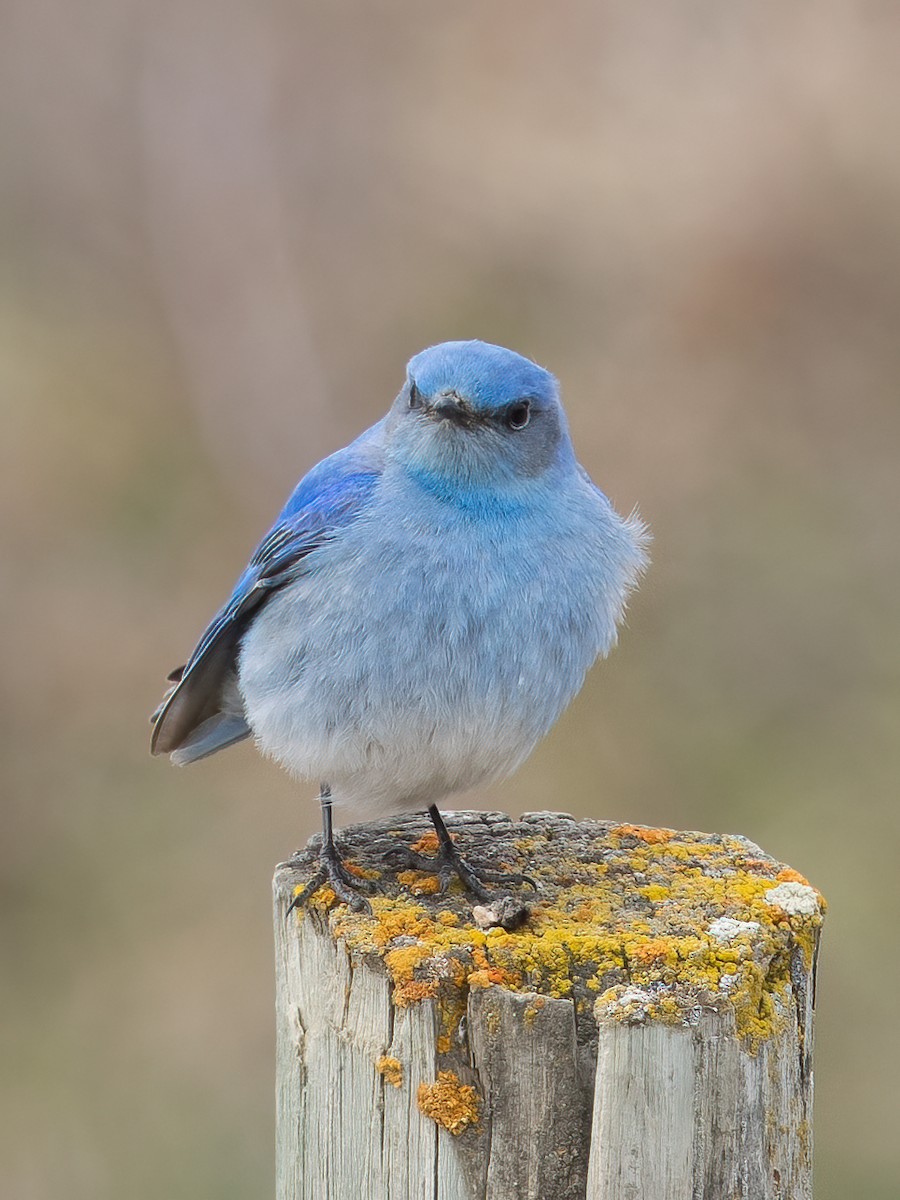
x=200, y=713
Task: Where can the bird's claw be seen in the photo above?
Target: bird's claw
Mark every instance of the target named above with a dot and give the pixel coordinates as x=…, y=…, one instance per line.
x=333, y=873
x=448, y=864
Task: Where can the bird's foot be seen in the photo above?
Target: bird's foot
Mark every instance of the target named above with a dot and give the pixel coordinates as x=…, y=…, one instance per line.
x=334, y=873
x=494, y=908
x=448, y=864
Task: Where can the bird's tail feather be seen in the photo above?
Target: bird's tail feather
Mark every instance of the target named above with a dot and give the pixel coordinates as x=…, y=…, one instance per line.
x=215, y=733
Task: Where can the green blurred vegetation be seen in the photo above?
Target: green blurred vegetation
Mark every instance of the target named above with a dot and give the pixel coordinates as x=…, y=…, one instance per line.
x=224, y=229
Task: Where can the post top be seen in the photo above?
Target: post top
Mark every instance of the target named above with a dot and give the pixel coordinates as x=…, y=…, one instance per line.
x=630, y=923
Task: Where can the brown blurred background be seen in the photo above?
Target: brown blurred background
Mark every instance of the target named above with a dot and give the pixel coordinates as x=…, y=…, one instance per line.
x=225, y=227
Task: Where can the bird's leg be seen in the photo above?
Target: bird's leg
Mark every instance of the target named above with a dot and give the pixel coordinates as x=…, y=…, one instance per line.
x=331, y=869
x=448, y=862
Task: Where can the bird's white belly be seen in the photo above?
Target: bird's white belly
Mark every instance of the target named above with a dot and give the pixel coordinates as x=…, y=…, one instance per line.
x=400, y=693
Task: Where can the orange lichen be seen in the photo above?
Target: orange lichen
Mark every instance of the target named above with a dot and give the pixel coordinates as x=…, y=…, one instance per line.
x=403, y=961
x=420, y=883
x=455, y=1106
x=322, y=900
x=789, y=875
x=491, y=975
x=650, y=836
x=654, y=950
x=427, y=844
x=636, y=912
x=406, y=994
x=398, y=920
x=391, y=1068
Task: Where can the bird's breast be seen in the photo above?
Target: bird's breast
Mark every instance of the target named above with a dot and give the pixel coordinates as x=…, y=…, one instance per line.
x=414, y=629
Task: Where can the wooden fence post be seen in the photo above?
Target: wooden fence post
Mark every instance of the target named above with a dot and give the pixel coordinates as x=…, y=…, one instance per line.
x=646, y=1034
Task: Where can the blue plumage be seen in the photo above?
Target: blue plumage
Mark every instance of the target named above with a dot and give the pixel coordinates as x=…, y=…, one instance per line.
x=428, y=600
x=490, y=377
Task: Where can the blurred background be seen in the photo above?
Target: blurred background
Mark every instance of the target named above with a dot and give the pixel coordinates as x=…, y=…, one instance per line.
x=224, y=228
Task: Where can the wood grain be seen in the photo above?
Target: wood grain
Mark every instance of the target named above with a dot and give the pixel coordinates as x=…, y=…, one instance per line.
x=633, y=1039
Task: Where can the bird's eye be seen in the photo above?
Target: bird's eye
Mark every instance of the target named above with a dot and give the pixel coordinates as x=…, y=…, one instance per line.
x=415, y=396
x=518, y=415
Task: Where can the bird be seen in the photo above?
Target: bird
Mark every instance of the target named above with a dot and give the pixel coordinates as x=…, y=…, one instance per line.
x=425, y=606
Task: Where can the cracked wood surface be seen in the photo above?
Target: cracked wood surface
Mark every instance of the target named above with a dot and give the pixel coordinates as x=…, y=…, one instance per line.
x=646, y=1034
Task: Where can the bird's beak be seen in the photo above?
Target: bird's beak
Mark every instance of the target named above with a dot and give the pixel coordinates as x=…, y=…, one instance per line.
x=448, y=406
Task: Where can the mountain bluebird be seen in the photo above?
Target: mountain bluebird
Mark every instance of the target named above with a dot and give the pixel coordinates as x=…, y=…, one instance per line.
x=423, y=609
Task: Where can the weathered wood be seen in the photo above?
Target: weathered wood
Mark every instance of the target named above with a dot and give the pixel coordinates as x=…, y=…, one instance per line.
x=645, y=1035
x=538, y=1102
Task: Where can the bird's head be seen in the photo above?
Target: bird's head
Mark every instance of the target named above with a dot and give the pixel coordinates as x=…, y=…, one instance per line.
x=478, y=416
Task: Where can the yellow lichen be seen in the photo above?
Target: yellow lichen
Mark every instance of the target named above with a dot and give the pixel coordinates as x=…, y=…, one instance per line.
x=531, y=1012
x=402, y=962
x=655, y=892
x=453, y=1105
x=635, y=914
x=391, y=1069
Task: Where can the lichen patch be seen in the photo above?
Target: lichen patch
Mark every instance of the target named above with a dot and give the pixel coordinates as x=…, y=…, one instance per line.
x=646, y=924
x=391, y=1069
x=453, y=1105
